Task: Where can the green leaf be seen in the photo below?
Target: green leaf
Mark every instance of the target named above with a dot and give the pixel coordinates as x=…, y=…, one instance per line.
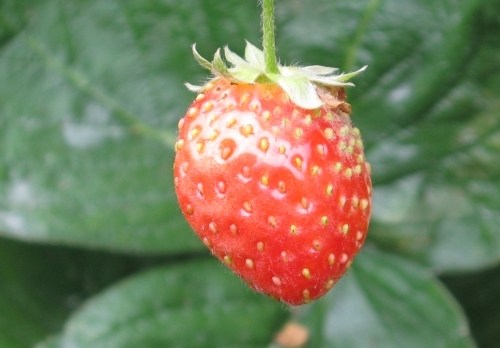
x=41, y=285
x=445, y=217
x=51, y=342
x=386, y=301
x=81, y=103
x=28, y=291
x=193, y=304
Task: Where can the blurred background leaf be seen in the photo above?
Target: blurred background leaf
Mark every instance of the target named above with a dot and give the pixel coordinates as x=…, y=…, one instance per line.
x=479, y=294
x=187, y=305
x=380, y=303
x=90, y=96
x=41, y=285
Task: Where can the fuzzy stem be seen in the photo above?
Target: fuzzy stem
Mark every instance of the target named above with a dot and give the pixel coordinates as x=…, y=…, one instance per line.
x=268, y=42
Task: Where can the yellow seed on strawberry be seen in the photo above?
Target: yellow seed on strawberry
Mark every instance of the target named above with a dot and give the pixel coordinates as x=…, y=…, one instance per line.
x=249, y=263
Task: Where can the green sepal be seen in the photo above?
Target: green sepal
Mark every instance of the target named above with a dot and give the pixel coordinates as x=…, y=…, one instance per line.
x=242, y=70
x=193, y=88
x=298, y=82
x=233, y=58
x=319, y=69
x=303, y=91
x=245, y=75
x=255, y=57
x=219, y=67
x=202, y=61
x=348, y=76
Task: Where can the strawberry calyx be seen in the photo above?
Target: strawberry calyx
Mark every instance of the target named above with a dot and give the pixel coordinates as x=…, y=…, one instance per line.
x=300, y=83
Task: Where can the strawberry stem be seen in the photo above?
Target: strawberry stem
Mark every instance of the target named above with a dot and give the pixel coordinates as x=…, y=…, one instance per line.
x=268, y=41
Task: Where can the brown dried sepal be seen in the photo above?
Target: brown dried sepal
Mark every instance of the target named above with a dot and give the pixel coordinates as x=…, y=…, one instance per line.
x=334, y=97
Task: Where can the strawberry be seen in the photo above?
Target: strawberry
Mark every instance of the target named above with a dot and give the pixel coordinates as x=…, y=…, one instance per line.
x=273, y=179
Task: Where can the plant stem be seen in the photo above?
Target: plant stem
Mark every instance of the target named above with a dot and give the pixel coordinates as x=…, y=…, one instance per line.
x=268, y=42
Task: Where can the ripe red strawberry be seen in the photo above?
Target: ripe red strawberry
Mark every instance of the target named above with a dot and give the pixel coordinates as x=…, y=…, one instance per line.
x=278, y=192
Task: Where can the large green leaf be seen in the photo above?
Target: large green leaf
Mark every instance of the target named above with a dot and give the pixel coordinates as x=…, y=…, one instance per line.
x=72, y=171
x=195, y=304
x=34, y=283
x=41, y=285
x=50, y=342
x=386, y=301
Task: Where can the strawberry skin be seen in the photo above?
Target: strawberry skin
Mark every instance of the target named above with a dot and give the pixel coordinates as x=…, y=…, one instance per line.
x=280, y=194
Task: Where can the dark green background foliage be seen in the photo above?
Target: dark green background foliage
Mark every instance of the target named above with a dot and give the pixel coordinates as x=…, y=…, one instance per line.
x=94, y=251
